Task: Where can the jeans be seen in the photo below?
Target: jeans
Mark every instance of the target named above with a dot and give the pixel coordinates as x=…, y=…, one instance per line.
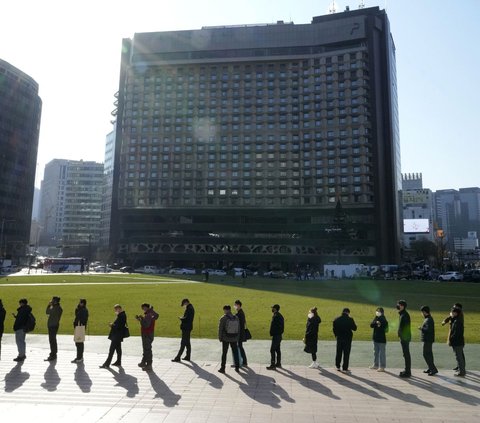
x=379, y=355
x=242, y=352
x=52, y=339
x=275, y=353
x=185, y=343
x=460, y=358
x=80, y=347
x=428, y=355
x=20, y=341
x=115, y=346
x=233, y=346
x=344, y=347
x=406, y=354
x=147, y=340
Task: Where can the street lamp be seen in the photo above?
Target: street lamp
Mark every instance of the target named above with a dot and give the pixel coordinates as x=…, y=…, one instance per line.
x=1, y=233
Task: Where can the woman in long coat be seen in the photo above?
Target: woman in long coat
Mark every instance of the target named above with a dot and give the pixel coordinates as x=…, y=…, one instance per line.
x=311, y=336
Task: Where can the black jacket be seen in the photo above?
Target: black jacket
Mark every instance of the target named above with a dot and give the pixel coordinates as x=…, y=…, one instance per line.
x=81, y=316
x=379, y=331
x=428, y=330
x=241, y=318
x=456, y=338
x=3, y=313
x=404, y=326
x=54, y=315
x=22, y=317
x=277, y=325
x=187, y=319
x=117, y=331
x=311, y=330
x=343, y=327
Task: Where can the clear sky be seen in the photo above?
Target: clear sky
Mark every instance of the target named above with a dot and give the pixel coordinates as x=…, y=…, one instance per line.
x=72, y=49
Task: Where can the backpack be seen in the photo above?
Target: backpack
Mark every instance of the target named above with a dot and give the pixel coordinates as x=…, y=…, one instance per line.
x=30, y=323
x=233, y=326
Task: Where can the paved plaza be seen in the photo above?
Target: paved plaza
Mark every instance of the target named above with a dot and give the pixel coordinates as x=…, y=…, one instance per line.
x=196, y=392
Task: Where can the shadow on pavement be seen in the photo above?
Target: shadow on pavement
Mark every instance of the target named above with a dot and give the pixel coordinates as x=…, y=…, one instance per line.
x=431, y=386
x=213, y=380
x=309, y=383
x=125, y=381
x=82, y=379
x=393, y=392
x=52, y=379
x=347, y=382
x=261, y=388
x=15, y=378
x=170, y=398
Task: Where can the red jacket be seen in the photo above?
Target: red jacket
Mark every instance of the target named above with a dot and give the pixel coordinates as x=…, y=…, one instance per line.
x=148, y=321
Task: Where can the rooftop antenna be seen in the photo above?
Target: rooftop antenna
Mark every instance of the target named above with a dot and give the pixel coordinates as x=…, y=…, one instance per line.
x=333, y=7
x=362, y=4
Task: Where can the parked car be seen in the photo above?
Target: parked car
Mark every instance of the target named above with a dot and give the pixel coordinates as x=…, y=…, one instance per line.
x=152, y=270
x=127, y=269
x=102, y=269
x=471, y=275
x=275, y=274
x=216, y=272
x=450, y=276
x=182, y=271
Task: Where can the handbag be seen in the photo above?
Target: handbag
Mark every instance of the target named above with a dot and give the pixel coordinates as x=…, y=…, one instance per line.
x=248, y=335
x=79, y=334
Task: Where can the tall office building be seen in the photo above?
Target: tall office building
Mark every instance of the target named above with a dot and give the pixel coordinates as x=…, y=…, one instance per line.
x=236, y=144
x=20, y=110
x=71, y=201
x=107, y=189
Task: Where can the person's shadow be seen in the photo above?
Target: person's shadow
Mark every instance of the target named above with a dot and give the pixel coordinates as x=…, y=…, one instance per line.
x=393, y=392
x=15, y=378
x=82, y=379
x=309, y=383
x=347, y=382
x=170, y=398
x=126, y=381
x=52, y=379
x=214, y=381
x=263, y=389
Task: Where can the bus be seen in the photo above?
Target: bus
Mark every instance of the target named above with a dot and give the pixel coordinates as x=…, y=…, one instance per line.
x=61, y=265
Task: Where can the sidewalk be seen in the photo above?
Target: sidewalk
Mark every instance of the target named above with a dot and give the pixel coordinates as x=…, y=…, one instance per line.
x=196, y=392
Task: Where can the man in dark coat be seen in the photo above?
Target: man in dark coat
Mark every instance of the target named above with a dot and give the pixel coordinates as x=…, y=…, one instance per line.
x=117, y=332
x=343, y=328
x=3, y=313
x=147, y=325
x=186, y=326
x=241, y=338
x=428, y=338
x=277, y=327
x=456, y=339
x=405, y=336
x=21, y=320
x=54, y=312
x=228, y=331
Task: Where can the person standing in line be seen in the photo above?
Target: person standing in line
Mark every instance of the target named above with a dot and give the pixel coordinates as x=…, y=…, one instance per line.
x=3, y=313
x=343, y=328
x=21, y=320
x=456, y=339
x=241, y=337
x=428, y=338
x=117, y=333
x=405, y=336
x=311, y=336
x=380, y=328
x=186, y=326
x=277, y=327
x=228, y=332
x=448, y=320
x=54, y=312
x=147, y=329
x=81, y=319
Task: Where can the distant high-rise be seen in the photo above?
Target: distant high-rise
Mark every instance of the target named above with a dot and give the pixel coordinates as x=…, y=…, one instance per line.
x=71, y=201
x=235, y=144
x=20, y=111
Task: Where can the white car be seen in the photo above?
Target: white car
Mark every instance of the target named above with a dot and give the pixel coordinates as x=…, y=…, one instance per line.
x=451, y=276
x=182, y=271
x=216, y=272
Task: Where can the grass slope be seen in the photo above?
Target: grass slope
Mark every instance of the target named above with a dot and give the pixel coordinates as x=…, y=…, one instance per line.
x=257, y=295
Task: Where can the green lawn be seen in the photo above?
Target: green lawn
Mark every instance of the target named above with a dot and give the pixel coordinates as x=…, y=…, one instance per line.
x=257, y=295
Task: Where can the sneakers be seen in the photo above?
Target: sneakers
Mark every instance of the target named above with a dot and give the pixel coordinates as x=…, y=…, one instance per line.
x=373, y=367
x=432, y=372
x=272, y=367
x=460, y=374
x=346, y=371
x=77, y=360
x=314, y=365
x=381, y=369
